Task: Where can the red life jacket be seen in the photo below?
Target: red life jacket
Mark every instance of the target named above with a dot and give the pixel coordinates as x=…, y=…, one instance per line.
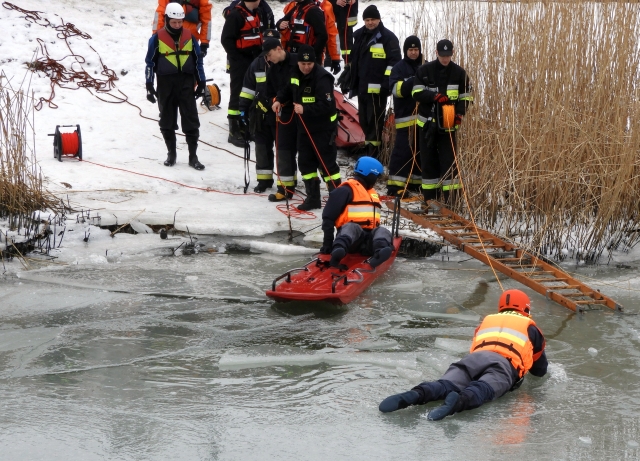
x=172, y=60
x=301, y=31
x=250, y=34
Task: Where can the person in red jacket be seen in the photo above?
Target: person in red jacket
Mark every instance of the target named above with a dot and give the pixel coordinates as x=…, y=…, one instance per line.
x=196, y=20
x=505, y=347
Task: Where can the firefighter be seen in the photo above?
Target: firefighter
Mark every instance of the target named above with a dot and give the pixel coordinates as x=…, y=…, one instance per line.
x=311, y=91
x=375, y=51
x=254, y=110
x=439, y=83
x=403, y=161
x=268, y=20
x=505, y=347
x=304, y=24
x=280, y=117
x=196, y=20
x=174, y=56
x=346, y=14
x=354, y=209
x=242, y=40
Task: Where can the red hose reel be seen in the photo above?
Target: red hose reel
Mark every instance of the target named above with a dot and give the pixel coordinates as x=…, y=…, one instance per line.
x=68, y=144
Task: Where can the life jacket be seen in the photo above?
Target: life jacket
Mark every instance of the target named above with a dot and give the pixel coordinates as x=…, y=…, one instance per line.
x=300, y=32
x=172, y=60
x=506, y=334
x=364, y=208
x=191, y=13
x=250, y=34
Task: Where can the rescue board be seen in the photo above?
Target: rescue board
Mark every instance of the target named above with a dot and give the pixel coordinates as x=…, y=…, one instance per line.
x=349, y=132
x=317, y=281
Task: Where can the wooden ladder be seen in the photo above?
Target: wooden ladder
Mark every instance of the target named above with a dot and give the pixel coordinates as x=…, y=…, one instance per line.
x=519, y=264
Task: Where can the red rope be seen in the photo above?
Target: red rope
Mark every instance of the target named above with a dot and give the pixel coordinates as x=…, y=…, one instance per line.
x=70, y=143
x=326, y=170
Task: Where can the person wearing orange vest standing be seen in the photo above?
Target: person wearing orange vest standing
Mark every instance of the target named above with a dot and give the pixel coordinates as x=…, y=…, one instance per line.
x=241, y=38
x=346, y=14
x=304, y=24
x=354, y=209
x=196, y=20
x=505, y=347
x=174, y=56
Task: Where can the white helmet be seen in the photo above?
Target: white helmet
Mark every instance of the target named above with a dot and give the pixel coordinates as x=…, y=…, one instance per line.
x=174, y=11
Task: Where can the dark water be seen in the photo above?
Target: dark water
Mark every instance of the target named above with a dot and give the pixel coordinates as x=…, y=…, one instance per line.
x=91, y=367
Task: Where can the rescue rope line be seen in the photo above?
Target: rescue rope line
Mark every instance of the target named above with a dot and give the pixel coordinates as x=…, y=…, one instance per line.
x=326, y=170
x=70, y=143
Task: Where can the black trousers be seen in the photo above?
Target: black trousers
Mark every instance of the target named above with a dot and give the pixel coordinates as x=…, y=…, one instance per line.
x=285, y=135
x=401, y=163
x=310, y=161
x=237, y=68
x=439, y=169
x=371, y=110
x=342, y=15
x=264, y=140
x=176, y=94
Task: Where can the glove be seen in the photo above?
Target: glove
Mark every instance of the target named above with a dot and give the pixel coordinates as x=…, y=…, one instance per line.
x=326, y=249
x=203, y=49
x=440, y=98
x=200, y=90
x=335, y=67
x=151, y=93
x=457, y=121
x=344, y=81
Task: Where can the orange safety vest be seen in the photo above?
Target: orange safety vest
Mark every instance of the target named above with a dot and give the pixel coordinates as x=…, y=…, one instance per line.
x=333, y=41
x=250, y=34
x=506, y=334
x=364, y=208
x=299, y=30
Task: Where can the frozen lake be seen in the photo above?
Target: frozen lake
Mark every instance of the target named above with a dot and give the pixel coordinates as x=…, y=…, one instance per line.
x=207, y=368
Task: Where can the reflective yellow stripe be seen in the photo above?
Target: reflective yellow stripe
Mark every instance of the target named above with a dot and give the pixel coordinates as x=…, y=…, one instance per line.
x=295, y=81
x=164, y=50
x=430, y=186
x=333, y=177
x=264, y=176
x=308, y=99
x=310, y=175
x=417, y=89
x=373, y=88
x=405, y=122
x=391, y=182
x=452, y=92
x=369, y=214
x=233, y=112
x=374, y=143
x=261, y=79
x=333, y=118
x=377, y=51
x=246, y=95
x=388, y=71
x=396, y=89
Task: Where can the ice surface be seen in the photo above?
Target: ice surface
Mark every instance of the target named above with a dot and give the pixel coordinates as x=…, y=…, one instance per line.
x=453, y=345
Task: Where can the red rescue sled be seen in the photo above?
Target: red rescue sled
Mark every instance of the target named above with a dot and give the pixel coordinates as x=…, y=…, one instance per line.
x=349, y=132
x=317, y=281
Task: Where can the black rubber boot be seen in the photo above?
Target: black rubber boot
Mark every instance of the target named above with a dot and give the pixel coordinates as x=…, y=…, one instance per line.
x=430, y=194
x=170, y=141
x=313, y=201
x=262, y=186
x=380, y=256
x=236, y=136
x=446, y=409
x=331, y=185
x=192, y=143
x=336, y=256
x=279, y=196
x=399, y=401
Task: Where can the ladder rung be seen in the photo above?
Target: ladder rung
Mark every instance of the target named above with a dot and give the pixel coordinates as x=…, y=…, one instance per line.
x=524, y=258
x=559, y=279
x=576, y=295
x=516, y=266
x=562, y=287
x=592, y=301
x=536, y=272
x=502, y=245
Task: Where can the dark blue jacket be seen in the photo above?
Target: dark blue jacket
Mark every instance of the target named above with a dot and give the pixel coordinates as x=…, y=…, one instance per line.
x=401, y=84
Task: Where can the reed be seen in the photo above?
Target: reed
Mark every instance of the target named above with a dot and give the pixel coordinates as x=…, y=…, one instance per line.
x=21, y=182
x=549, y=150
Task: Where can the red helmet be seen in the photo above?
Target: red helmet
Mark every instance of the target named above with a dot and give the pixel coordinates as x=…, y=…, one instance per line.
x=516, y=300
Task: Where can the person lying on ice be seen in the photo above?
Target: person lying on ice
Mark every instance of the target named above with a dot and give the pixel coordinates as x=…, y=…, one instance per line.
x=505, y=347
x=354, y=209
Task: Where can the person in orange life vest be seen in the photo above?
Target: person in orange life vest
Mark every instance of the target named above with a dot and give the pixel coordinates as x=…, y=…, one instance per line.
x=241, y=38
x=333, y=43
x=304, y=25
x=354, y=209
x=174, y=56
x=346, y=14
x=505, y=347
x=196, y=20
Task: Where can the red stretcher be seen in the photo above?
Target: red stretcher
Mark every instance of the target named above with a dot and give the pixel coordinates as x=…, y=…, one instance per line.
x=349, y=133
x=317, y=281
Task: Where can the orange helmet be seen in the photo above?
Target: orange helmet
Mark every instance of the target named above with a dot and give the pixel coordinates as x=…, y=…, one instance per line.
x=516, y=300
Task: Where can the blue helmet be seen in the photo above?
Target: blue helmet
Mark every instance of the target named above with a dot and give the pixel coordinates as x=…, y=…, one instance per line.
x=368, y=165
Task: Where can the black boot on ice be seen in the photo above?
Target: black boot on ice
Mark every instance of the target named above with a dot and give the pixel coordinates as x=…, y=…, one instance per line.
x=399, y=401
x=170, y=141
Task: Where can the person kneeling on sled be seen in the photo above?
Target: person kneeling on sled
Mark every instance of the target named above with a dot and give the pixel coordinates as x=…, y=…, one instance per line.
x=354, y=209
x=505, y=347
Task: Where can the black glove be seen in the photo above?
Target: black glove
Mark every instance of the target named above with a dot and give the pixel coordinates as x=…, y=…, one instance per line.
x=200, y=90
x=326, y=249
x=335, y=67
x=344, y=81
x=203, y=49
x=440, y=98
x=151, y=93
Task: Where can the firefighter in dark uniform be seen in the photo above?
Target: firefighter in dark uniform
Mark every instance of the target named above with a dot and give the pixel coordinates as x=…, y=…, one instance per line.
x=306, y=26
x=354, y=209
x=375, y=51
x=403, y=162
x=437, y=83
x=242, y=40
x=174, y=56
x=311, y=91
x=254, y=110
x=346, y=14
x=505, y=347
x=280, y=117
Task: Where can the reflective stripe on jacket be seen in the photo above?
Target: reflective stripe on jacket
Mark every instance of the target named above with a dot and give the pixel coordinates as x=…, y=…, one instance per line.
x=364, y=208
x=506, y=333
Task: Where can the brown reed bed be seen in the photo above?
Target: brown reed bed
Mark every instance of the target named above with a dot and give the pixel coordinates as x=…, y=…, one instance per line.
x=549, y=152
x=21, y=183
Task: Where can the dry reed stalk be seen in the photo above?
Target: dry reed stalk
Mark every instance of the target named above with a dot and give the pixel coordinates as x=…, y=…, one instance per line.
x=549, y=151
